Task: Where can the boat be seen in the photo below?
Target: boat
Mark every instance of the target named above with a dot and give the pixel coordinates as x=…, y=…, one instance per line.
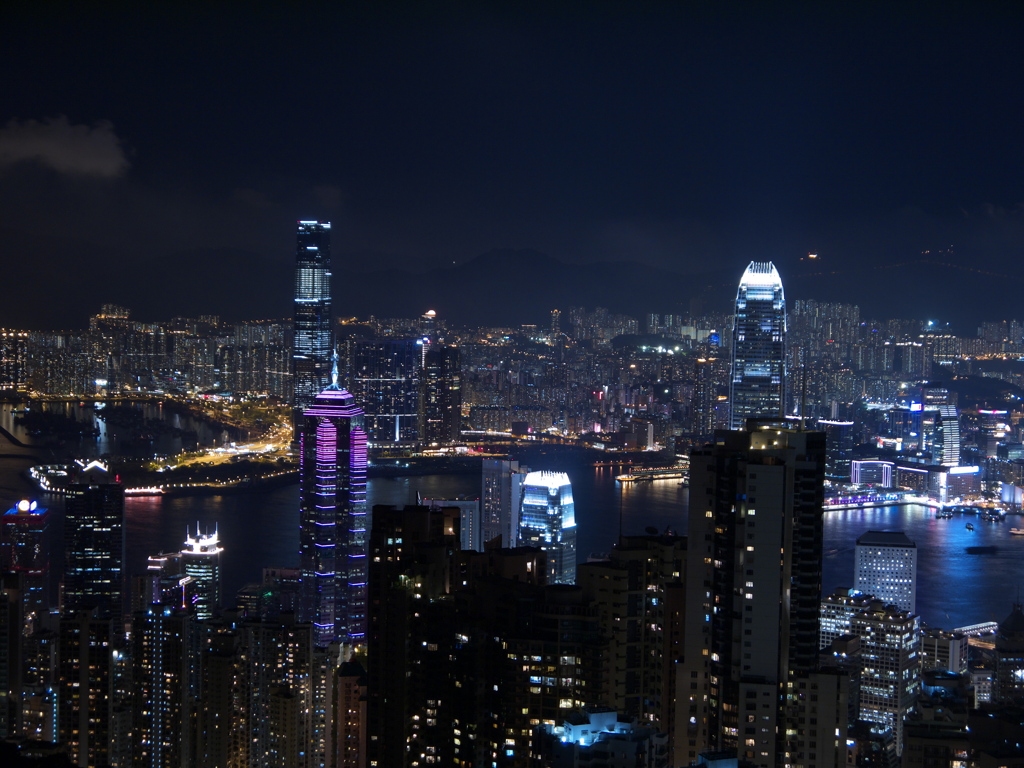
x=970, y=526
x=1017, y=531
x=944, y=514
x=982, y=550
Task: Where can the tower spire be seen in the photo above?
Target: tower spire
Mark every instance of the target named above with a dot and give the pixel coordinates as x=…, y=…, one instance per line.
x=334, y=370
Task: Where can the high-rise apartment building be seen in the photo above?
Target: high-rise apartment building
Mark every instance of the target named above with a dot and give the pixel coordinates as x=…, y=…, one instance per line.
x=200, y=560
x=162, y=701
x=13, y=360
x=639, y=594
x=547, y=519
x=312, y=341
x=93, y=722
x=753, y=586
x=886, y=568
x=94, y=542
x=333, y=524
x=757, y=386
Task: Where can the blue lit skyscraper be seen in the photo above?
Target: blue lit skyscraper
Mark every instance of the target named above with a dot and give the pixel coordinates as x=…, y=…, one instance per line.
x=548, y=520
x=757, y=386
x=312, y=346
x=333, y=523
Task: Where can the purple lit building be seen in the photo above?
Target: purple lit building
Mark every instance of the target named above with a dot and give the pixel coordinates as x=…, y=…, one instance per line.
x=333, y=524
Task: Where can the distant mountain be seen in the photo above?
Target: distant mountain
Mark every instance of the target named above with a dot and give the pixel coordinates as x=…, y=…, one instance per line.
x=504, y=287
x=53, y=282
x=57, y=283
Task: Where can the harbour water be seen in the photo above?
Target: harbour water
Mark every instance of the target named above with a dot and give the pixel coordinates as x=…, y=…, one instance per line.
x=260, y=528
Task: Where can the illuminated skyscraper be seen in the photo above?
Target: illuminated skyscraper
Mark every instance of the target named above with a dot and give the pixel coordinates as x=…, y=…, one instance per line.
x=94, y=542
x=162, y=704
x=311, y=353
x=332, y=518
x=548, y=520
x=886, y=568
x=384, y=378
x=25, y=547
x=757, y=387
x=440, y=411
x=201, y=560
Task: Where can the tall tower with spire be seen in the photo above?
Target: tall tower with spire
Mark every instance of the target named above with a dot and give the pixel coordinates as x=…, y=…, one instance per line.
x=757, y=386
x=333, y=524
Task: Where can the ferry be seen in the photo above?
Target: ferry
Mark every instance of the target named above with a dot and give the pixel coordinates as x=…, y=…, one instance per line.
x=944, y=514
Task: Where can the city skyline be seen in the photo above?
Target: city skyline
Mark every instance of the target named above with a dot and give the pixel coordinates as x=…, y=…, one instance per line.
x=683, y=139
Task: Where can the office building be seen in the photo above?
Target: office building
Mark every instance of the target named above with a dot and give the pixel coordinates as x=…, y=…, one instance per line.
x=547, y=520
x=94, y=542
x=838, y=448
x=837, y=612
x=944, y=650
x=333, y=523
x=26, y=547
x=886, y=568
x=440, y=406
x=500, y=499
x=164, y=582
x=384, y=377
x=757, y=386
x=890, y=666
x=753, y=588
x=200, y=560
x=313, y=337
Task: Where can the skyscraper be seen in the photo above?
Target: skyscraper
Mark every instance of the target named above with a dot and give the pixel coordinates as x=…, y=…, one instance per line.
x=500, y=500
x=890, y=668
x=94, y=542
x=838, y=448
x=383, y=376
x=162, y=701
x=548, y=520
x=332, y=518
x=886, y=567
x=753, y=585
x=757, y=386
x=201, y=560
x=25, y=547
x=440, y=412
x=311, y=352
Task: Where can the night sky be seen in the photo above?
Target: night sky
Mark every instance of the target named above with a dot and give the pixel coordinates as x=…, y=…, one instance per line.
x=158, y=155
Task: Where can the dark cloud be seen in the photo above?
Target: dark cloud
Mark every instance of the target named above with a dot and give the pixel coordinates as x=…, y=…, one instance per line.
x=80, y=150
